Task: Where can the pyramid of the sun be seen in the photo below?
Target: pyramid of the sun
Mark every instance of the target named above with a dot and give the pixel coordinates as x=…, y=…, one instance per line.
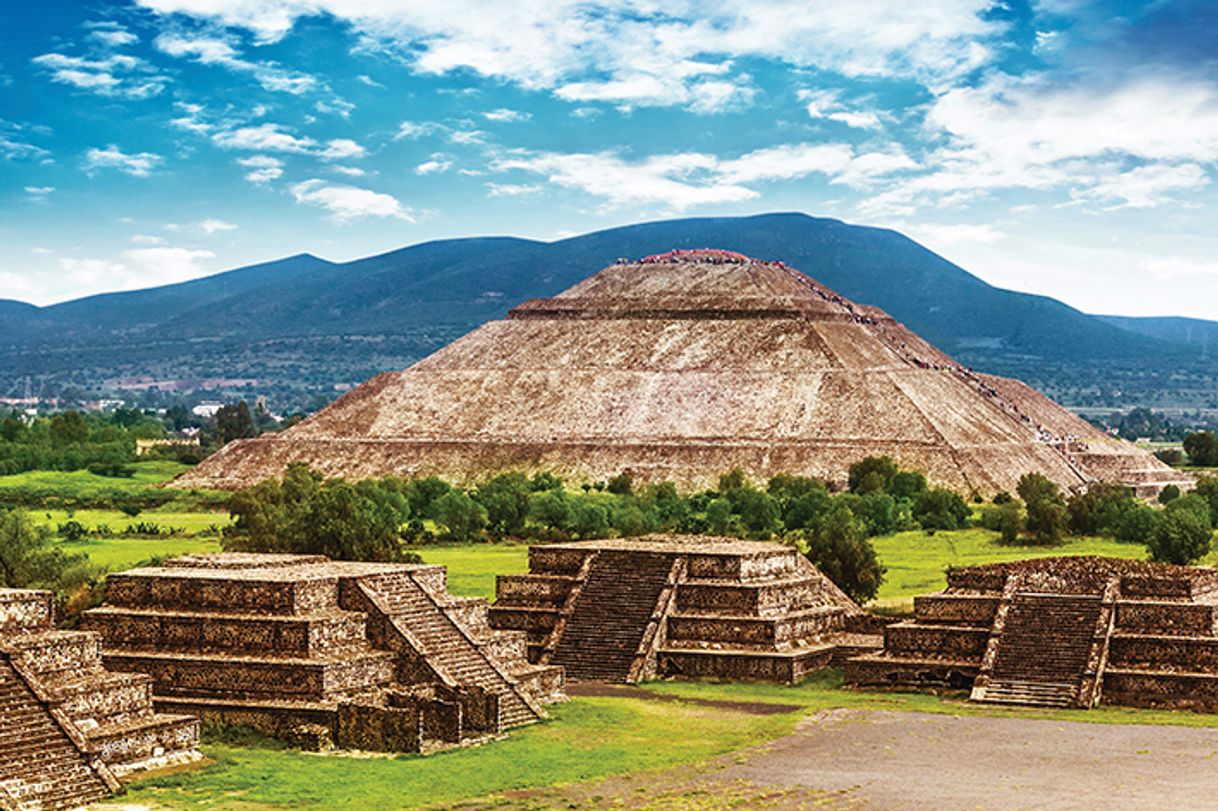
x=682, y=366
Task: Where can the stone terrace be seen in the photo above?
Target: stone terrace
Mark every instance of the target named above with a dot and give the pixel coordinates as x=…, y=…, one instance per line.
x=362, y=655
x=631, y=609
x=69, y=728
x=1068, y=632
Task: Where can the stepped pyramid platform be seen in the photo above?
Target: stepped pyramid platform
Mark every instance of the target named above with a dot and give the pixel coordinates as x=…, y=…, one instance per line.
x=682, y=366
x=373, y=656
x=632, y=609
x=69, y=728
x=1060, y=632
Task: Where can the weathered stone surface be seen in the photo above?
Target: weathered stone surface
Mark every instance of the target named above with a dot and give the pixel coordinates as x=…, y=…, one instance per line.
x=69, y=729
x=628, y=609
x=1062, y=632
x=379, y=655
x=683, y=366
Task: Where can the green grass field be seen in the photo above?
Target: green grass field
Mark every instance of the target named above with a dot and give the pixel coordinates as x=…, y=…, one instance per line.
x=586, y=739
x=916, y=560
x=83, y=484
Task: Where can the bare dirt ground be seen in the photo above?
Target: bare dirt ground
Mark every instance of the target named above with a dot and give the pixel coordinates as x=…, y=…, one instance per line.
x=909, y=762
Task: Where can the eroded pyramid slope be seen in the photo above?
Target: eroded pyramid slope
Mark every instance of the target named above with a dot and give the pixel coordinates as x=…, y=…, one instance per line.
x=681, y=366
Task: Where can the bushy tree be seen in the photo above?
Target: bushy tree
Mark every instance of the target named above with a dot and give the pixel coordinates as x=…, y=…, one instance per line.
x=878, y=513
x=871, y=474
x=462, y=518
x=506, y=501
x=1099, y=510
x=424, y=493
x=1183, y=532
x=304, y=513
x=69, y=428
x=588, y=519
x=1137, y=525
x=1207, y=488
x=940, y=508
x=622, y=484
x=907, y=484
x=840, y=549
x=27, y=557
x=234, y=421
x=1169, y=494
x=1046, y=509
x=1202, y=448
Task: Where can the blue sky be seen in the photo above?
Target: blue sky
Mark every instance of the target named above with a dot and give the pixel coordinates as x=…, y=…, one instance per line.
x=1060, y=147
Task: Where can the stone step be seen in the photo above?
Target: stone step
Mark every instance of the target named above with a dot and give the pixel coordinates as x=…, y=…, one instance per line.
x=1041, y=694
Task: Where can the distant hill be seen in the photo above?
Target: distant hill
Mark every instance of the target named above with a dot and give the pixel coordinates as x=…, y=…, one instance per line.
x=1195, y=333
x=305, y=321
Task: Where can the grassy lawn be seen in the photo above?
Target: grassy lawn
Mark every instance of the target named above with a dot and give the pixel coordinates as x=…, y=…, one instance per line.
x=916, y=560
x=83, y=484
x=587, y=738
x=117, y=554
x=472, y=568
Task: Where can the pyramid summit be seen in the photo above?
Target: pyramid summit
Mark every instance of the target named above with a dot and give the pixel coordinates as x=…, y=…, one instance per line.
x=680, y=366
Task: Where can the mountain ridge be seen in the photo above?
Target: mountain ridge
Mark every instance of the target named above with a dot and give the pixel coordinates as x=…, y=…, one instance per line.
x=413, y=299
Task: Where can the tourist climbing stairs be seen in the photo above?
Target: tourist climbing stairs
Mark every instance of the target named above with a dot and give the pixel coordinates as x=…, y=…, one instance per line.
x=449, y=646
x=1044, y=650
x=41, y=769
x=611, y=617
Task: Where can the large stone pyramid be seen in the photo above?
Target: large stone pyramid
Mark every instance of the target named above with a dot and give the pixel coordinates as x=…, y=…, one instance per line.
x=681, y=366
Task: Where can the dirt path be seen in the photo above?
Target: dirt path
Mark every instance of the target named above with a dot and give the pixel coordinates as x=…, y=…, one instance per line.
x=880, y=761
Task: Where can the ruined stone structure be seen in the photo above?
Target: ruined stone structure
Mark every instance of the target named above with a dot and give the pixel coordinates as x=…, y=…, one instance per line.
x=683, y=366
x=631, y=609
x=1062, y=632
x=360, y=655
x=69, y=728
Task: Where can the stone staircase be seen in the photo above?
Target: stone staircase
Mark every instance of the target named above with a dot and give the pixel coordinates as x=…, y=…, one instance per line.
x=1043, y=651
x=41, y=768
x=610, y=619
x=624, y=610
x=452, y=647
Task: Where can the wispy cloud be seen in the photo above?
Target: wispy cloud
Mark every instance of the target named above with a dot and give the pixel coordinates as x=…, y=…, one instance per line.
x=138, y=164
x=212, y=50
x=114, y=75
x=682, y=180
x=263, y=168
x=350, y=203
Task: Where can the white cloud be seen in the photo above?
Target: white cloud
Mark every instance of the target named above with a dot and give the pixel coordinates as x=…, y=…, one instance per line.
x=39, y=191
x=264, y=138
x=212, y=226
x=511, y=189
x=682, y=180
x=114, y=75
x=417, y=129
x=349, y=171
x=111, y=34
x=264, y=168
x=210, y=50
x=466, y=137
x=147, y=239
x=162, y=265
x=1027, y=134
x=1145, y=186
x=349, y=203
x=342, y=149
x=633, y=53
x=828, y=104
x=368, y=80
x=139, y=164
x=434, y=166
x=503, y=114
